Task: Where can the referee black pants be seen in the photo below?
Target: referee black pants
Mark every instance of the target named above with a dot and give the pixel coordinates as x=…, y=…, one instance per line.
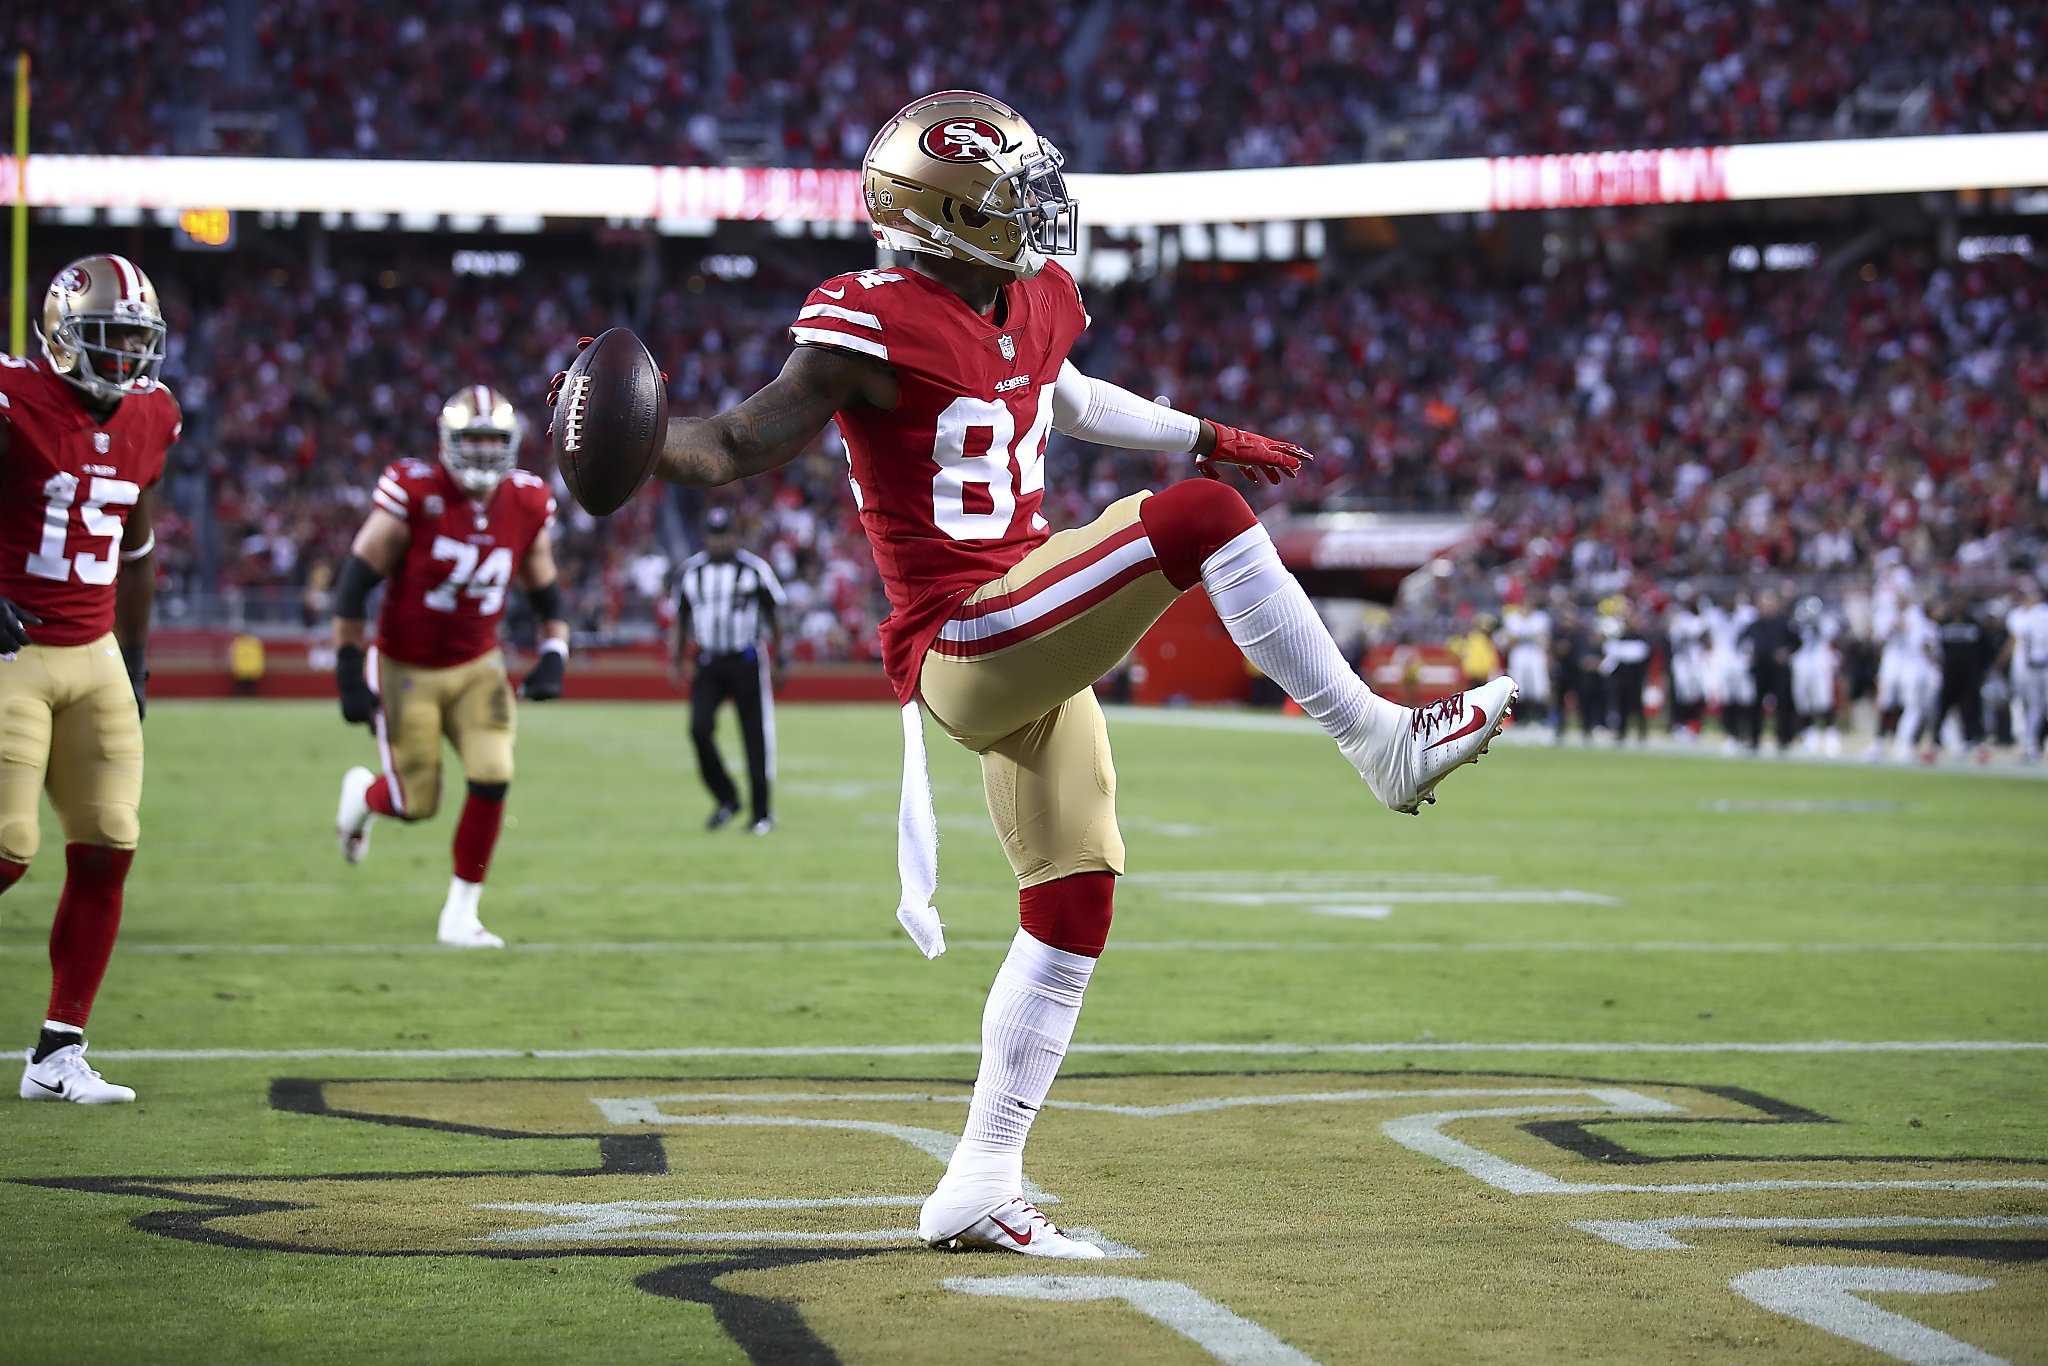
x=743, y=677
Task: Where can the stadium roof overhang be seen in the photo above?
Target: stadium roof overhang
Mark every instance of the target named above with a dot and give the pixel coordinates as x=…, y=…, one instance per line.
x=420, y=193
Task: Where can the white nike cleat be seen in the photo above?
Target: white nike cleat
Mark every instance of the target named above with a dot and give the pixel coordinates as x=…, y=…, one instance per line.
x=353, y=817
x=460, y=927
x=1016, y=1225
x=470, y=936
x=1403, y=753
x=64, y=1075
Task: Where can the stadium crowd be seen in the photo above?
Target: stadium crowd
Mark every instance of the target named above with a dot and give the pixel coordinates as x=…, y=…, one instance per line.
x=1123, y=87
x=1603, y=427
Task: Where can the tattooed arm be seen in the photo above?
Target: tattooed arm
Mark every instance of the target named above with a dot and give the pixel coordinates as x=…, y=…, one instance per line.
x=769, y=429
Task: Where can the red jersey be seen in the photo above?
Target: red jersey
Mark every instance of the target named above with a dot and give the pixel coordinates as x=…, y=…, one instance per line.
x=442, y=603
x=67, y=485
x=949, y=481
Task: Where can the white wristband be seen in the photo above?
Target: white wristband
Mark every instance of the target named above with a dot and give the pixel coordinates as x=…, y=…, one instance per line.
x=554, y=645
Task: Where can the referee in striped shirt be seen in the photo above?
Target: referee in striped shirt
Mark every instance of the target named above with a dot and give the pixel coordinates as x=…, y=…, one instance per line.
x=726, y=602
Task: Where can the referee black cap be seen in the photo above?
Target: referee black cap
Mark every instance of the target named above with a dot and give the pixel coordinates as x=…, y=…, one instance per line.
x=718, y=519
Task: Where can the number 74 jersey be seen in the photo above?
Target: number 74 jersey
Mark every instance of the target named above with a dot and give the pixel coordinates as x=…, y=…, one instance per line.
x=443, y=602
x=950, y=480
x=67, y=485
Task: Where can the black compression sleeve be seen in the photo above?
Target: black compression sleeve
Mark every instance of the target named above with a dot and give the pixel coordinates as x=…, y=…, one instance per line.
x=352, y=589
x=546, y=601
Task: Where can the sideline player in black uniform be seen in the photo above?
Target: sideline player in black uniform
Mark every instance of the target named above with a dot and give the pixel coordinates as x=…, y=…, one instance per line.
x=726, y=601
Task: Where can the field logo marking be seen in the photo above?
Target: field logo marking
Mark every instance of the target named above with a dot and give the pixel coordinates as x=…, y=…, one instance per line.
x=1825, y=1298
x=776, y=1174
x=1229, y=1337
x=1655, y=1235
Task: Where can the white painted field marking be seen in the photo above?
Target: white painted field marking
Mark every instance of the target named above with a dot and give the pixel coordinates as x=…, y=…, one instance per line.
x=650, y=1221
x=919, y=1050
x=1424, y=1134
x=895, y=945
x=1229, y=1337
x=1655, y=1235
x=1354, y=896
x=1824, y=1297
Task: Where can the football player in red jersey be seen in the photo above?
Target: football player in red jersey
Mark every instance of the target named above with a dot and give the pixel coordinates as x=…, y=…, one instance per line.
x=449, y=536
x=945, y=374
x=83, y=433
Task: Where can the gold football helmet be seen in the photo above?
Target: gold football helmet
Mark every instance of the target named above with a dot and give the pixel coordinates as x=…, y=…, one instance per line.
x=480, y=431
x=103, y=329
x=962, y=174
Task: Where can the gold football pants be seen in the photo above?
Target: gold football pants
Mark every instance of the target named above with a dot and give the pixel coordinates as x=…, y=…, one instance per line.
x=1012, y=678
x=470, y=703
x=68, y=724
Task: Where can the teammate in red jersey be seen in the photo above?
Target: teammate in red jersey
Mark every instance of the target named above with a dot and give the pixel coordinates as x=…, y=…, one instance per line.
x=450, y=536
x=83, y=433
x=946, y=374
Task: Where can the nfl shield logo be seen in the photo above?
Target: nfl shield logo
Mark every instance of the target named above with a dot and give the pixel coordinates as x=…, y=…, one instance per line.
x=101, y=441
x=1007, y=347
x=434, y=505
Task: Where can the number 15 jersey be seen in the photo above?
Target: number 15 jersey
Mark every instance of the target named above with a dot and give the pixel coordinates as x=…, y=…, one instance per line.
x=67, y=485
x=950, y=480
x=443, y=602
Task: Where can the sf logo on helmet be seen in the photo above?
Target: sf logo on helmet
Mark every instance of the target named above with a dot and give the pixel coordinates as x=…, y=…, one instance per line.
x=74, y=281
x=963, y=140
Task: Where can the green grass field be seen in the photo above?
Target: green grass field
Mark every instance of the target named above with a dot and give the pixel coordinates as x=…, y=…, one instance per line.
x=1604, y=1058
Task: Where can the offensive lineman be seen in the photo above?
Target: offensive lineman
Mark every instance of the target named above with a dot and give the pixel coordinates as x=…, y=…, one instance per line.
x=450, y=536
x=83, y=435
x=946, y=375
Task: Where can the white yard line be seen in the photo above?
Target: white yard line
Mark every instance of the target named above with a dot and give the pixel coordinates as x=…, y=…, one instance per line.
x=897, y=945
x=918, y=1050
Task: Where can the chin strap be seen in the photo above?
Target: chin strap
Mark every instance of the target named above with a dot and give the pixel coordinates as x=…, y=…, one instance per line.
x=917, y=842
x=1027, y=264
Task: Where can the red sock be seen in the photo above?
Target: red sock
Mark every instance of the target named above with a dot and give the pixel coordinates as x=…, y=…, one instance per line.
x=82, y=936
x=1070, y=913
x=11, y=872
x=476, y=834
x=379, y=797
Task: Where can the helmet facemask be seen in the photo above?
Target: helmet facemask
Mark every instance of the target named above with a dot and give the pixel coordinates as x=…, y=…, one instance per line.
x=110, y=356
x=479, y=440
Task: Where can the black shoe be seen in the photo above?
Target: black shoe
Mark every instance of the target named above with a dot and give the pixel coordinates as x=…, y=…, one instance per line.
x=721, y=816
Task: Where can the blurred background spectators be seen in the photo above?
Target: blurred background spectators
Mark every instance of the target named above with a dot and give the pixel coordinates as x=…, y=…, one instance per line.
x=1122, y=87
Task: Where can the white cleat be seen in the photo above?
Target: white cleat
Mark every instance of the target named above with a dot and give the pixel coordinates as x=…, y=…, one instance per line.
x=1016, y=1225
x=470, y=936
x=64, y=1075
x=460, y=927
x=1404, y=761
x=353, y=817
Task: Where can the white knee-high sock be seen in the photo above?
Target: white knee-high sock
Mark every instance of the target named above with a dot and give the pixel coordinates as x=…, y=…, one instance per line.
x=1025, y=1030
x=1273, y=622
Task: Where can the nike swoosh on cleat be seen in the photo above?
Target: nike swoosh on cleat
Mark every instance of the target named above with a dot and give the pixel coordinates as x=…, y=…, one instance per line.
x=1023, y=1239
x=56, y=1090
x=1478, y=720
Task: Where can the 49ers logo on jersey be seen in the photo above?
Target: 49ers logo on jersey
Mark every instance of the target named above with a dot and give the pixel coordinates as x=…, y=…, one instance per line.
x=964, y=140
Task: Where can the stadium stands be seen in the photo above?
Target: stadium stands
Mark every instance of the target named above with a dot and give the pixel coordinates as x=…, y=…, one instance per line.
x=1679, y=422
x=1126, y=87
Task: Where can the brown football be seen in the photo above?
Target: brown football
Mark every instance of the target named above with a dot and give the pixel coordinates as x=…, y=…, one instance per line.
x=610, y=422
